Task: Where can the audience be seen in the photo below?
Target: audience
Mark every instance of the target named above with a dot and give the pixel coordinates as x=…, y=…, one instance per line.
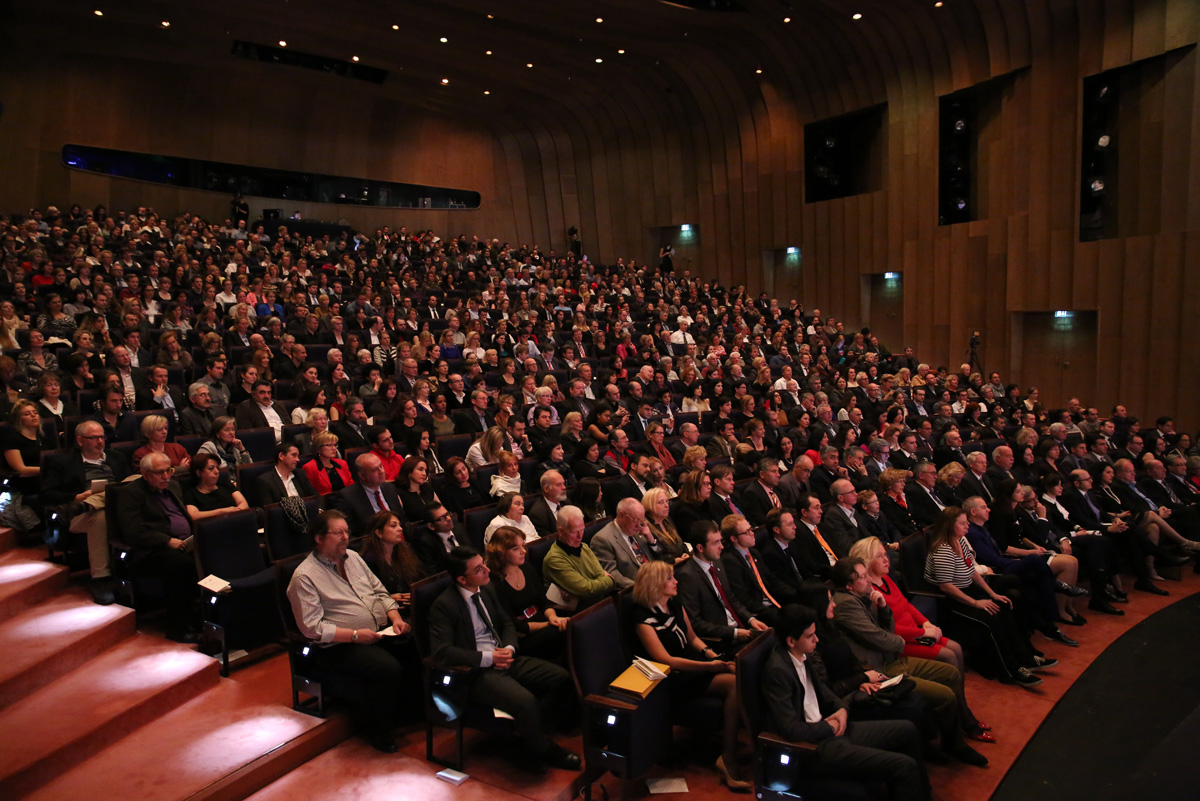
x=815, y=435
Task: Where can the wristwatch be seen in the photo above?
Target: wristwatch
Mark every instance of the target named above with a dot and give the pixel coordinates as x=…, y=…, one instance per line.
x=354, y=635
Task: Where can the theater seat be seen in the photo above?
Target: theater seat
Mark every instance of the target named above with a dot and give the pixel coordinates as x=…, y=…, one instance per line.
x=621, y=734
x=228, y=547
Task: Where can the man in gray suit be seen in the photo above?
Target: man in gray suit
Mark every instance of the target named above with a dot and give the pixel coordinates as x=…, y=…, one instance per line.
x=625, y=544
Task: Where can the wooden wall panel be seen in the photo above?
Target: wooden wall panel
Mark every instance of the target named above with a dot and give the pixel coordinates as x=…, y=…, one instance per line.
x=683, y=130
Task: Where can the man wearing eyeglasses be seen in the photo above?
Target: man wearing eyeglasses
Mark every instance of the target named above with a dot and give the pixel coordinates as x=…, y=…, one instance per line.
x=156, y=527
x=434, y=541
x=469, y=627
x=69, y=477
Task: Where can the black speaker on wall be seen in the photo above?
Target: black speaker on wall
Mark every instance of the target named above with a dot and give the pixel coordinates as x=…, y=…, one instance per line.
x=956, y=159
x=1097, y=214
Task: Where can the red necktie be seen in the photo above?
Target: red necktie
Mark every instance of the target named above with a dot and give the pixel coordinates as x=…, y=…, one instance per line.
x=774, y=498
x=712, y=571
x=379, y=501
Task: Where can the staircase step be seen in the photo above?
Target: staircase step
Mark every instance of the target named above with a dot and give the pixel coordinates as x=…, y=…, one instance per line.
x=27, y=579
x=8, y=539
x=228, y=742
x=55, y=637
x=89, y=708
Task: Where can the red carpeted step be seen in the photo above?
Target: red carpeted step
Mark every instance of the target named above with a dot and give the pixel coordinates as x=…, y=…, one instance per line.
x=227, y=742
x=26, y=579
x=354, y=770
x=89, y=708
x=56, y=636
x=8, y=539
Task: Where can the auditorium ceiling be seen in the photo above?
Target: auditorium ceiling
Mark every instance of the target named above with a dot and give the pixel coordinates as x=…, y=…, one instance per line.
x=535, y=59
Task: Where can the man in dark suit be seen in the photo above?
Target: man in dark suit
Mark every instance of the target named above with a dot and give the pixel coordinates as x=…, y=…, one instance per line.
x=155, y=526
x=1001, y=469
x=721, y=502
x=157, y=395
x=923, y=503
x=284, y=479
x=753, y=584
x=814, y=555
x=1177, y=479
x=776, y=548
x=904, y=458
x=118, y=425
x=950, y=450
x=475, y=419
x=434, y=540
x=827, y=472
x=469, y=627
x=715, y=613
x=371, y=494
x=631, y=485
x=543, y=512
x=351, y=429
x=643, y=416
x=973, y=482
x=67, y=478
x=260, y=411
x=886, y=751
x=1154, y=486
x=197, y=417
x=689, y=436
x=760, y=496
x=840, y=523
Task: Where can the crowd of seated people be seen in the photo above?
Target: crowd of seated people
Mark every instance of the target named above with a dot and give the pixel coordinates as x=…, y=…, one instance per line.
x=458, y=403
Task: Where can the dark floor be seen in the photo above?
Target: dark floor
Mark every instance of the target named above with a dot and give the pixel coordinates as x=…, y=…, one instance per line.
x=1129, y=725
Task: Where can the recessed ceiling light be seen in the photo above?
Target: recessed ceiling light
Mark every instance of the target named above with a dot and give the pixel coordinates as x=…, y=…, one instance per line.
x=599, y=19
x=599, y=61
x=443, y=40
x=445, y=81
x=487, y=52
x=787, y=20
x=282, y=43
x=486, y=92
x=490, y=16
x=395, y=27
x=529, y=65
x=98, y=13
x=938, y=4
x=354, y=59
x=621, y=52
x=857, y=16
x=758, y=72
x=166, y=23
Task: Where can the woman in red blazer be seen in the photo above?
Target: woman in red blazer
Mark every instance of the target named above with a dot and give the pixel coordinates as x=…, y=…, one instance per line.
x=325, y=471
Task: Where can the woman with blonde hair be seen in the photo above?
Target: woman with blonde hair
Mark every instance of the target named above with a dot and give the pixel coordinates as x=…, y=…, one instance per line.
x=325, y=471
x=665, y=634
x=487, y=449
x=658, y=518
x=155, y=429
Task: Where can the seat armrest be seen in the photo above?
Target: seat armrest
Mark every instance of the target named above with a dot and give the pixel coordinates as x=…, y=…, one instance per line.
x=605, y=702
x=767, y=738
x=454, y=670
